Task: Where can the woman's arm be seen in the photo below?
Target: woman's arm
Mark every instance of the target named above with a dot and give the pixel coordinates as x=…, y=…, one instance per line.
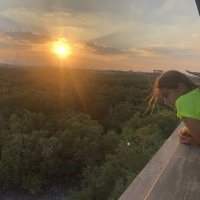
x=193, y=128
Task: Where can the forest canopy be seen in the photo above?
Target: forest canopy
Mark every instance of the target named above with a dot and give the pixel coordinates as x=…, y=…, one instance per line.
x=83, y=129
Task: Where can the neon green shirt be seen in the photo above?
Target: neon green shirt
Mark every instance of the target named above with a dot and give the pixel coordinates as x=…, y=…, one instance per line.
x=188, y=105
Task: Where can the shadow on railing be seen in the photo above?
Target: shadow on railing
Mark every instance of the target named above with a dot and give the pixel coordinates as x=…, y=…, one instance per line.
x=173, y=173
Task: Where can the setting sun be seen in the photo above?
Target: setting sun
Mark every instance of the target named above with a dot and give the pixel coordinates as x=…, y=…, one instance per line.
x=61, y=48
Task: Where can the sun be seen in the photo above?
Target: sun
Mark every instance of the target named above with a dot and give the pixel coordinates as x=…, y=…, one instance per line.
x=61, y=48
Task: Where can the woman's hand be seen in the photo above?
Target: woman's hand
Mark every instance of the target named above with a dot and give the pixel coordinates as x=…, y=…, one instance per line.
x=185, y=137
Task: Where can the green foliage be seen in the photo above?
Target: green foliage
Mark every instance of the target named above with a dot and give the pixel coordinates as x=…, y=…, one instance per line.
x=89, y=135
x=140, y=139
x=32, y=157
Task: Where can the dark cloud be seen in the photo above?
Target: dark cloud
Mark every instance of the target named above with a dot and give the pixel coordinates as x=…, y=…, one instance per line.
x=70, y=5
x=167, y=51
x=29, y=37
x=105, y=50
x=7, y=24
x=118, y=7
x=19, y=46
x=118, y=39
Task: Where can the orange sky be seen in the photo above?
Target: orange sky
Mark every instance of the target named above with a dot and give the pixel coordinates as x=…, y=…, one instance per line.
x=106, y=34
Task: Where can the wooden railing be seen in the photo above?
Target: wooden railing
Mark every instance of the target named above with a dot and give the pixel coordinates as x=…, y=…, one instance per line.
x=173, y=173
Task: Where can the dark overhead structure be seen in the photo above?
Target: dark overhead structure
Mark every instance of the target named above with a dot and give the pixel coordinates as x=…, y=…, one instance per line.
x=198, y=5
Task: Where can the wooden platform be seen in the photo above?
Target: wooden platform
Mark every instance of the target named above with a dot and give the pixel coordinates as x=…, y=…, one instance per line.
x=172, y=174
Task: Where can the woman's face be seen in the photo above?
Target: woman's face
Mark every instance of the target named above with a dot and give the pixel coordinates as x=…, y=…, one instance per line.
x=169, y=96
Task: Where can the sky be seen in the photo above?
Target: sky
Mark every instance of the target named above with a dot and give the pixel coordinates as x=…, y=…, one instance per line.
x=138, y=35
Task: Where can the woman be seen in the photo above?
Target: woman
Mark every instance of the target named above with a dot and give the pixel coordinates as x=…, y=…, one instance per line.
x=175, y=89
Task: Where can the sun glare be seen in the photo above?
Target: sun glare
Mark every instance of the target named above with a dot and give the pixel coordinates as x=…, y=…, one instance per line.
x=61, y=48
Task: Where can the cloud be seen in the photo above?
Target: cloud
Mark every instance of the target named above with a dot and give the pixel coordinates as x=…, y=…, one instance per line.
x=22, y=40
x=130, y=30
x=171, y=52
x=105, y=50
x=28, y=37
x=70, y=5
x=7, y=24
x=8, y=46
x=102, y=48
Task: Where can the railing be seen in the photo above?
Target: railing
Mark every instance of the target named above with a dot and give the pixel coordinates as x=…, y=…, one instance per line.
x=173, y=173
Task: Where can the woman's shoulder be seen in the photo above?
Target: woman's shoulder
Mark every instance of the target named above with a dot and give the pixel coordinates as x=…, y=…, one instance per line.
x=188, y=105
x=189, y=97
